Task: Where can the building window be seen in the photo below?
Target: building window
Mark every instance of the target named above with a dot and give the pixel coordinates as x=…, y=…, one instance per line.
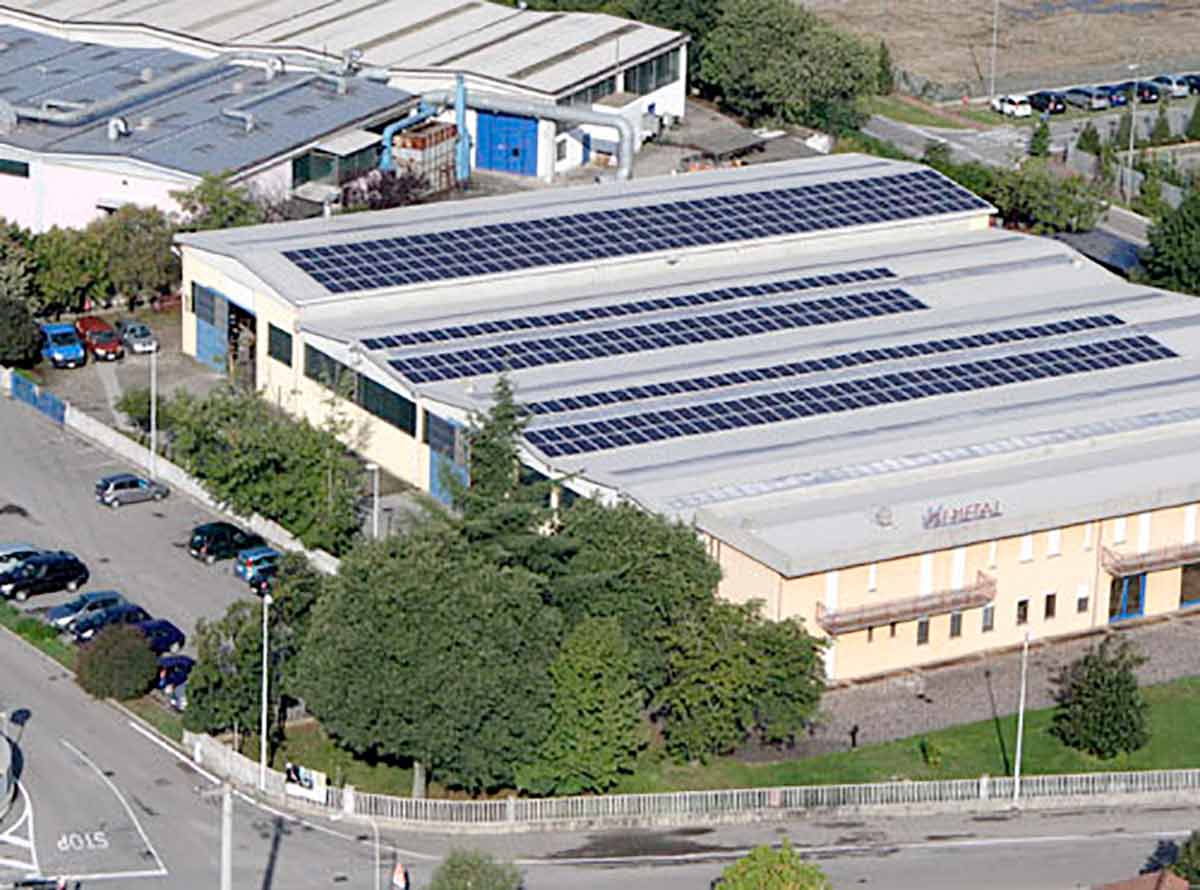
x=1051, y=605
x=1026, y=548
x=892, y=629
x=443, y=437
x=1127, y=597
x=872, y=577
x=989, y=618
x=387, y=405
x=328, y=372
x=204, y=300
x=1081, y=604
x=870, y=635
x=991, y=554
x=279, y=345
x=592, y=94
x=14, y=168
x=560, y=150
x=1023, y=612
x=1087, y=536
x=923, y=632
x=1053, y=542
x=1119, y=530
x=956, y=624
x=652, y=74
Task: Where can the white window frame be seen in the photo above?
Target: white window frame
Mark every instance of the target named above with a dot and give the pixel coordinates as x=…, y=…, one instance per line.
x=1054, y=542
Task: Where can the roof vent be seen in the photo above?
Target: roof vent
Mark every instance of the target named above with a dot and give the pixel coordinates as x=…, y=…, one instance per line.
x=145, y=122
x=884, y=517
x=147, y=74
x=4, y=46
x=275, y=67
x=239, y=87
x=117, y=127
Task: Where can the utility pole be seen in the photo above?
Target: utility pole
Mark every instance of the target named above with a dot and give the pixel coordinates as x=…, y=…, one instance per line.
x=262, y=727
x=995, y=41
x=1020, y=724
x=154, y=413
x=226, y=836
x=1133, y=99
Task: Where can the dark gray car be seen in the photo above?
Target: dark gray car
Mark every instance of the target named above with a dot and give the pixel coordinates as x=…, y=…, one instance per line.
x=126, y=488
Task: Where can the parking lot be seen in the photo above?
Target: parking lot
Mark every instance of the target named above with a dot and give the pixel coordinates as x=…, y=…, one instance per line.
x=46, y=498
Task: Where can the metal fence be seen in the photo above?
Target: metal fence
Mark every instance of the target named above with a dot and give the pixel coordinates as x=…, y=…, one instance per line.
x=43, y=400
x=696, y=806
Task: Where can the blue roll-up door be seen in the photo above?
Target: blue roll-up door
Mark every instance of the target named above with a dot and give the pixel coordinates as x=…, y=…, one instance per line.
x=506, y=143
x=212, y=327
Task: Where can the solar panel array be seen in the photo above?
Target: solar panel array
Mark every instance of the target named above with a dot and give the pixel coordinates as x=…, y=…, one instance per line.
x=903, y=386
x=685, y=331
x=628, y=231
x=620, y=310
x=826, y=363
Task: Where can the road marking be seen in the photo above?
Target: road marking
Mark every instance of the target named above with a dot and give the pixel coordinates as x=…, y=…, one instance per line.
x=315, y=826
x=162, y=869
x=10, y=837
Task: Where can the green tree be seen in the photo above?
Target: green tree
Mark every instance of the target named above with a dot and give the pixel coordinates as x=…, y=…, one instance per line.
x=216, y=203
x=1120, y=139
x=1100, y=709
x=1187, y=863
x=1172, y=260
x=20, y=342
x=1035, y=197
x=118, y=663
x=1039, y=142
x=225, y=684
x=71, y=268
x=135, y=405
x=886, y=77
x=137, y=242
x=596, y=724
x=1192, y=133
x=789, y=680
x=1089, y=139
x=473, y=870
x=765, y=868
x=424, y=648
x=636, y=567
x=774, y=60
x=1160, y=133
x=1149, y=200
x=696, y=18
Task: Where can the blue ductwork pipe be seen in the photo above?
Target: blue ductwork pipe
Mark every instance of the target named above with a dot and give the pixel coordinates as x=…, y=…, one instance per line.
x=462, y=155
x=423, y=112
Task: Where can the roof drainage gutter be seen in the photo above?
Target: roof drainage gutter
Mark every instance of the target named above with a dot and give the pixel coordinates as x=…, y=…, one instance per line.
x=549, y=111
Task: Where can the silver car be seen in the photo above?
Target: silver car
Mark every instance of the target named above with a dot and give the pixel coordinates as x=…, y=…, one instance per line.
x=137, y=337
x=126, y=488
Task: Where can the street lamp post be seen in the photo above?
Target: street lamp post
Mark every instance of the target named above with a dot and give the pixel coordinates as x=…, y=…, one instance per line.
x=375, y=836
x=1020, y=723
x=1132, y=129
x=373, y=469
x=154, y=413
x=262, y=731
x=995, y=41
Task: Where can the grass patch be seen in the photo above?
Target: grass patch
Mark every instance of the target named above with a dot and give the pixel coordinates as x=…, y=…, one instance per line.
x=308, y=744
x=907, y=113
x=165, y=720
x=33, y=375
x=39, y=634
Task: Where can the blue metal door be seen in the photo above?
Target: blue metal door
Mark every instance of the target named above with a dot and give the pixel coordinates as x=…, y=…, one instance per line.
x=212, y=327
x=506, y=143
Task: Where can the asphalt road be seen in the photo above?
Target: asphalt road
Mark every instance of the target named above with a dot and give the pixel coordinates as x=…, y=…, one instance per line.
x=46, y=480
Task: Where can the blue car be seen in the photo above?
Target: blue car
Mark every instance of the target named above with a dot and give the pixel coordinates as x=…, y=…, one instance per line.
x=1117, y=95
x=123, y=613
x=162, y=635
x=62, y=347
x=254, y=562
x=65, y=616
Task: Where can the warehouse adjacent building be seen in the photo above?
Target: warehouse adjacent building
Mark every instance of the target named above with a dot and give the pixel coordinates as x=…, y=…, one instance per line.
x=599, y=62
x=923, y=435
x=86, y=128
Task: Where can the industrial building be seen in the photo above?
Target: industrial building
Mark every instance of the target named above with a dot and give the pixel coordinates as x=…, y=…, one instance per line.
x=924, y=435
x=86, y=128
x=541, y=85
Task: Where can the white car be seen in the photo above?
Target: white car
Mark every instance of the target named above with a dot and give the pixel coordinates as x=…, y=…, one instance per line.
x=1013, y=106
x=1175, y=87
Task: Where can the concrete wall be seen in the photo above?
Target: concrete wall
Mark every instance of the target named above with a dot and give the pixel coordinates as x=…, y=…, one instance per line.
x=1064, y=563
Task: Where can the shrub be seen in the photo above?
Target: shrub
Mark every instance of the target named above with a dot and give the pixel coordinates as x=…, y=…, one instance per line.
x=768, y=869
x=1187, y=863
x=118, y=663
x=1100, y=709
x=1039, y=142
x=1089, y=139
x=471, y=870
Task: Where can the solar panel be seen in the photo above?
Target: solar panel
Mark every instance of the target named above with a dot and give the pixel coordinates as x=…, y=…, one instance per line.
x=745, y=322
x=633, y=307
x=598, y=435
x=594, y=235
x=825, y=363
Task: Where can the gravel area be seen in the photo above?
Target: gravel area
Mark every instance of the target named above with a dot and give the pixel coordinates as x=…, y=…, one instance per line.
x=982, y=688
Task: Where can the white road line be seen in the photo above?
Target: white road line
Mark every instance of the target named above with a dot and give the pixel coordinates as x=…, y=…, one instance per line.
x=315, y=826
x=114, y=875
x=162, y=869
x=32, y=836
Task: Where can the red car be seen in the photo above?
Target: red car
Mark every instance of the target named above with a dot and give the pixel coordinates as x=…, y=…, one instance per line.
x=100, y=338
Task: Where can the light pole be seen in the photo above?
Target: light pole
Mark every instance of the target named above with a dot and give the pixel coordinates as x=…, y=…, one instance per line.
x=1020, y=723
x=373, y=469
x=1133, y=97
x=995, y=41
x=154, y=413
x=262, y=730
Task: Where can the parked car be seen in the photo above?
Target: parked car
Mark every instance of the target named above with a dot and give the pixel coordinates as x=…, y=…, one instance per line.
x=99, y=338
x=65, y=616
x=220, y=540
x=47, y=572
x=1045, y=100
x=264, y=582
x=13, y=553
x=62, y=347
x=249, y=564
x=126, y=488
x=122, y=613
x=163, y=636
x=1012, y=106
x=1193, y=82
x=174, y=670
x=1088, y=98
x=137, y=337
x=1146, y=92
x=1117, y=96
x=1175, y=86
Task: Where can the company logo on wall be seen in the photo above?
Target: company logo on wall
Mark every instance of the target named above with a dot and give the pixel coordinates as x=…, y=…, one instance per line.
x=944, y=515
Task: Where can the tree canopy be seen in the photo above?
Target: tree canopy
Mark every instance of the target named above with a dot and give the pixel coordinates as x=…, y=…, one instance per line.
x=216, y=203
x=1100, y=709
x=1172, y=260
x=137, y=244
x=765, y=868
x=20, y=342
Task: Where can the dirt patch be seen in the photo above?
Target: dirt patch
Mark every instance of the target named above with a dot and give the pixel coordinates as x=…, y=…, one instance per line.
x=640, y=844
x=1041, y=43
